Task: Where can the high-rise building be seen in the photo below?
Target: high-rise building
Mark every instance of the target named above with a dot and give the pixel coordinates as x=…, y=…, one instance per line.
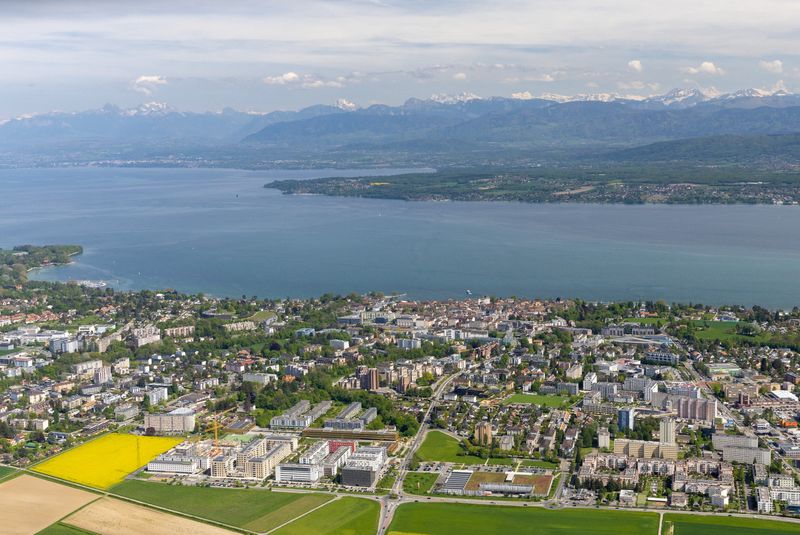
x=625, y=418
x=370, y=379
x=667, y=431
x=603, y=438
x=483, y=433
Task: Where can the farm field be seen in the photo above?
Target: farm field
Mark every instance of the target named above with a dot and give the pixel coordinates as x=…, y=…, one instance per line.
x=105, y=461
x=544, y=401
x=256, y=510
x=6, y=472
x=31, y=504
x=62, y=529
x=469, y=519
x=439, y=446
x=419, y=482
x=345, y=516
x=724, y=525
x=115, y=517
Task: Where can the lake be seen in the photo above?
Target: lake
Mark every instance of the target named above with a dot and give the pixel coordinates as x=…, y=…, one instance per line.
x=220, y=232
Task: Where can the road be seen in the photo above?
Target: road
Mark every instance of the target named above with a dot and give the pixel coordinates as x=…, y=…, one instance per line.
x=388, y=503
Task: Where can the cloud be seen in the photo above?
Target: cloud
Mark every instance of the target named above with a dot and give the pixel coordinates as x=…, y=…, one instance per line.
x=635, y=65
x=147, y=83
x=706, y=67
x=775, y=66
x=459, y=76
x=546, y=77
x=311, y=81
x=522, y=95
x=282, y=79
x=639, y=85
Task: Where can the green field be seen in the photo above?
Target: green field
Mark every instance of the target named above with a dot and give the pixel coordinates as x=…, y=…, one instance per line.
x=725, y=525
x=260, y=316
x=6, y=471
x=256, y=510
x=545, y=401
x=62, y=529
x=345, y=516
x=439, y=446
x=419, y=482
x=540, y=464
x=470, y=519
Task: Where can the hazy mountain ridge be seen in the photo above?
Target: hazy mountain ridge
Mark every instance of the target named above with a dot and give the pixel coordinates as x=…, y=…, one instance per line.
x=419, y=129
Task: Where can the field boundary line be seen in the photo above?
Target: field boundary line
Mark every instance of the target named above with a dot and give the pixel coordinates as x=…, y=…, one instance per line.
x=301, y=516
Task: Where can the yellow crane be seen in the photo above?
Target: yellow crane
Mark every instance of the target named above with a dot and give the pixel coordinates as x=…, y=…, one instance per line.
x=215, y=425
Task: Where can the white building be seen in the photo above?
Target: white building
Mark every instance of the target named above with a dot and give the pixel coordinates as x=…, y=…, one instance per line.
x=179, y=421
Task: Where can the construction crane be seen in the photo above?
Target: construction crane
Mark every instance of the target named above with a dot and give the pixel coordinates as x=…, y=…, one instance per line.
x=215, y=425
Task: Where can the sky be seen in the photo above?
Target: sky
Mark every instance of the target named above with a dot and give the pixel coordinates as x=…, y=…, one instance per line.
x=201, y=55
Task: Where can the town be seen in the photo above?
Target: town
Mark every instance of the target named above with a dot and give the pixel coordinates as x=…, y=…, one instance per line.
x=557, y=403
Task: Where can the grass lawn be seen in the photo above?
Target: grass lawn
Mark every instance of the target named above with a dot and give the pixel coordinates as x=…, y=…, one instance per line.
x=502, y=461
x=540, y=464
x=545, y=401
x=345, y=516
x=718, y=330
x=262, y=315
x=725, y=525
x=62, y=529
x=439, y=446
x=470, y=519
x=387, y=481
x=419, y=482
x=253, y=509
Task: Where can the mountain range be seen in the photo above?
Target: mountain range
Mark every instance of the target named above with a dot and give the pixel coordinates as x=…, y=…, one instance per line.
x=445, y=128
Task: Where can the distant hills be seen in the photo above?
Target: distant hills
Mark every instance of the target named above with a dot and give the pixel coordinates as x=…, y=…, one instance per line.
x=748, y=127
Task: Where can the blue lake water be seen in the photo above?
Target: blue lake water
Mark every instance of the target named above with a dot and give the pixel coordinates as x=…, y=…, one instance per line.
x=220, y=232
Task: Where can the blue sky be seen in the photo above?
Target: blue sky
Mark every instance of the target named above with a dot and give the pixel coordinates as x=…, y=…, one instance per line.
x=201, y=55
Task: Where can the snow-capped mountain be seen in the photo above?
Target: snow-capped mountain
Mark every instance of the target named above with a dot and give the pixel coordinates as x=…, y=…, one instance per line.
x=444, y=98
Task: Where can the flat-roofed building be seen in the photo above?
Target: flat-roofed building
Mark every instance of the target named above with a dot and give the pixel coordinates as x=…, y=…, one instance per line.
x=296, y=472
x=179, y=421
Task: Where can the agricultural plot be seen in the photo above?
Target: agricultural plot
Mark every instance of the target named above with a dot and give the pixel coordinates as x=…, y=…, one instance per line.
x=115, y=517
x=105, y=461
x=345, y=516
x=62, y=529
x=677, y=524
x=470, y=519
x=31, y=504
x=253, y=509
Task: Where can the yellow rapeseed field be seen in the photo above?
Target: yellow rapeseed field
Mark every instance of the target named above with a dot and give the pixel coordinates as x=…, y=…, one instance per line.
x=104, y=462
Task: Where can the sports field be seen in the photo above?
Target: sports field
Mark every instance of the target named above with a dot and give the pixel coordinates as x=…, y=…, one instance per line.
x=105, y=461
x=253, y=509
x=469, y=519
x=544, y=401
x=345, y=516
x=30, y=504
x=724, y=525
x=439, y=446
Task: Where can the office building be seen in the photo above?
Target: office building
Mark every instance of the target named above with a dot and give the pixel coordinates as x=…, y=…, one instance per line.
x=295, y=472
